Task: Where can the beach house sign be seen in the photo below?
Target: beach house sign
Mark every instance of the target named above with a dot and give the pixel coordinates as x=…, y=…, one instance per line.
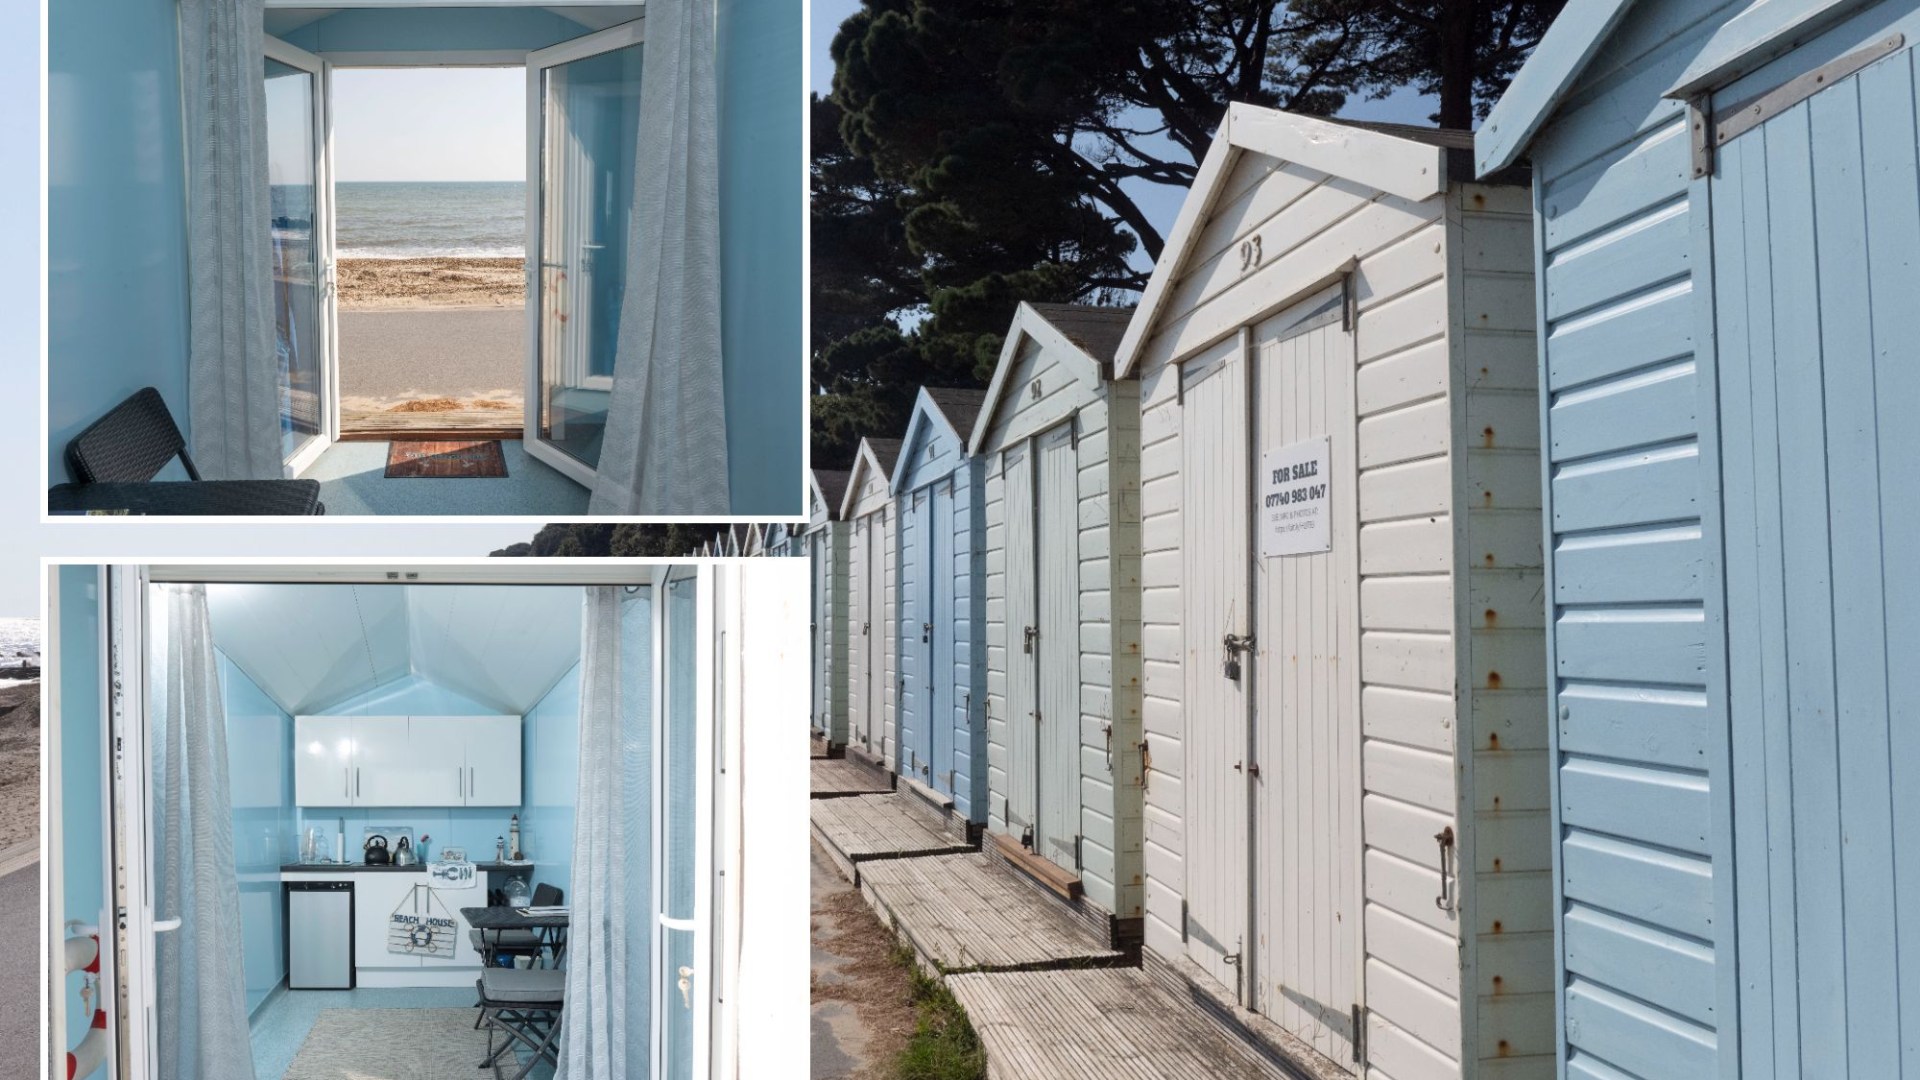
x=1294, y=487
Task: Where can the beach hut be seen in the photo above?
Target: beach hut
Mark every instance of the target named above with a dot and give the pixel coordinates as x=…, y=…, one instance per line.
x=1729, y=210
x=941, y=495
x=1059, y=439
x=867, y=508
x=1346, y=829
x=783, y=540
x=824, y=542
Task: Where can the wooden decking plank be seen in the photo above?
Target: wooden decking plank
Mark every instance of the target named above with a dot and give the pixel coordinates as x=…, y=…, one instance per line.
x=1099, y=1024
x=863, y=827
x=837, y=777
x=966, y=914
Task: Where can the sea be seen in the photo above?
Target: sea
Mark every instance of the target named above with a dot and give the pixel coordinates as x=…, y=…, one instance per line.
x=406, y=220
x=19, y=645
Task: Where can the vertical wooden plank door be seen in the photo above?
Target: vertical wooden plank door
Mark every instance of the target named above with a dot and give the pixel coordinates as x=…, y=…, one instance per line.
x=1023, y=752
x=1057, y=533
x=914, y=631
x=1816, y=221
x=940, y=684
x=1214, y=603
x=879, y=549
x=1306, y=721
x=859, y=632
x=821, y=628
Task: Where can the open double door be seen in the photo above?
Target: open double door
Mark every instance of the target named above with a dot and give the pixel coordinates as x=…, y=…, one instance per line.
x=1272, y=791
x=583, y=122
x=669, y=631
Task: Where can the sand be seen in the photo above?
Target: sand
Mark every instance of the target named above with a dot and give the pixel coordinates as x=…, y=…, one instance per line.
x=401, y=284
x=19, y=763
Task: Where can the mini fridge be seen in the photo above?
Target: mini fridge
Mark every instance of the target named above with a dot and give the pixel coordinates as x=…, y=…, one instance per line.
x=319, y=935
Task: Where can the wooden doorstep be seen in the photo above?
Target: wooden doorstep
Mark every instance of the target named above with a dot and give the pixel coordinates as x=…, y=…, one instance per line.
x=1060, y=882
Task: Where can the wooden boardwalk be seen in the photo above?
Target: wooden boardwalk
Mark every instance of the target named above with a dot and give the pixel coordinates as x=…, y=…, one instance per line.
x=964, y=913
x=835, y=778
x=860, y=828
x=1100, y=1024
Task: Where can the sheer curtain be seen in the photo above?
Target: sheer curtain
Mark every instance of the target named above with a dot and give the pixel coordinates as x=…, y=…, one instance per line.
x=605, y=1031
x=233, y=403
x=665, y=449
x=201, y=983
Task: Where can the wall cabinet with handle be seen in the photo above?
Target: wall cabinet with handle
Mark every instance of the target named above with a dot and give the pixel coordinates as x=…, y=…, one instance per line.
x=407, y=761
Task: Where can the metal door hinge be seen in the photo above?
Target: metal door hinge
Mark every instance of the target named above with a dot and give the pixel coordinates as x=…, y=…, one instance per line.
x=1359, y=1033
x=1183, y=919
x=1709, y=130
x=1076, y=852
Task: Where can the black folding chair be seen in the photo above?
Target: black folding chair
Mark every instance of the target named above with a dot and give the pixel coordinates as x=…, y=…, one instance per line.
x=523, y=1007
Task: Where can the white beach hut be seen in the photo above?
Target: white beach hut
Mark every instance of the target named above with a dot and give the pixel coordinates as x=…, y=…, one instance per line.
x=1060, y=440
x=1346, y=831
x=867, y=507
x=824, y=543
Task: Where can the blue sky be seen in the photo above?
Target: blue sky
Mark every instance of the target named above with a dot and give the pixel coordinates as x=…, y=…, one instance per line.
x=430, y=124
x=1161, y=203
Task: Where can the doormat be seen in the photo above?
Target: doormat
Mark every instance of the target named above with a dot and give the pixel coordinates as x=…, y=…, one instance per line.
x=443, y=459
x=390, y=1044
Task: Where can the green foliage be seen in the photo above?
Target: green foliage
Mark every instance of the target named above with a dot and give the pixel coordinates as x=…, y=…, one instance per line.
x=976, y=153
x=585, y=540
x=944, y=1045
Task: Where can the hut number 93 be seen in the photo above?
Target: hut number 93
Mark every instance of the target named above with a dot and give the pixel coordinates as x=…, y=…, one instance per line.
x=1249, y=253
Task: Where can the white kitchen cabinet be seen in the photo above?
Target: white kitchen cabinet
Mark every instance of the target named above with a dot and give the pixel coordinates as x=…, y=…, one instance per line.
x=407, y=761
x=383, y=766
x=376, y=894
x=323, y=760
x=493, y=760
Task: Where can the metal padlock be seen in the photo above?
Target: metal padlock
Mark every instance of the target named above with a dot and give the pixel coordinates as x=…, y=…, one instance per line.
x=1235, y=645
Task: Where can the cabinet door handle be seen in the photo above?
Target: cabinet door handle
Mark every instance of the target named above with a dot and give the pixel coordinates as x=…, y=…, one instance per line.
x=356, y=781
x=460, y=782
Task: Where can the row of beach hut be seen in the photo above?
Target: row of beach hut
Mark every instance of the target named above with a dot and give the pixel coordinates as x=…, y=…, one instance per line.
x=1453, y=617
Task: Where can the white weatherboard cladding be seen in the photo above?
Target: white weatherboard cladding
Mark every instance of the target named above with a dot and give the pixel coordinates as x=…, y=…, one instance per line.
x=826, y=547
x=870, y=627
x=1439, y=532
x=1103, y=443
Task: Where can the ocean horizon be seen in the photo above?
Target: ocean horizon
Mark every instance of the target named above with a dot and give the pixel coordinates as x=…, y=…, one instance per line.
x=390, y=219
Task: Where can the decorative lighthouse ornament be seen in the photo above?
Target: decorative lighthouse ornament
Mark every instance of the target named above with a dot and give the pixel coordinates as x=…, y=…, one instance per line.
x=513, y=839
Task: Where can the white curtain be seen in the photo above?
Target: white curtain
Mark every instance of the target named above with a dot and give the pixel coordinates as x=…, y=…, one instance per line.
x=605, y=1030
x=201, y=982
x=233, y=404
x=665, y=450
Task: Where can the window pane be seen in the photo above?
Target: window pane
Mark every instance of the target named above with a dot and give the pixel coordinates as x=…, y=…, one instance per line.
x=292, y=174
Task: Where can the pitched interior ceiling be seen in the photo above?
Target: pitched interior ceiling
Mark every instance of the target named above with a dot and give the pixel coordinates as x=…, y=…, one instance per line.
x=310, y=647
x=282, y=21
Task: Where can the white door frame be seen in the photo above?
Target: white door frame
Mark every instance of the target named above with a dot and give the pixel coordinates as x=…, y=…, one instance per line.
x=130, y=892
x=538, y=61
x=327, y=280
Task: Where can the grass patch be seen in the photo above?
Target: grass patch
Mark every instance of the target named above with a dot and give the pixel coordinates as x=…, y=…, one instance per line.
x=944, y=1045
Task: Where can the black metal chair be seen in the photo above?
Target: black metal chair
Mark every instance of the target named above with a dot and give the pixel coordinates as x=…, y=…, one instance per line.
x=524, y=1006
x=135, y=440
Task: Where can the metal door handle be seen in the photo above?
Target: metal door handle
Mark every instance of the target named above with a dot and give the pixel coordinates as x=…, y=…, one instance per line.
x=1445, y=839
x=356, y=782
x=1030, y=634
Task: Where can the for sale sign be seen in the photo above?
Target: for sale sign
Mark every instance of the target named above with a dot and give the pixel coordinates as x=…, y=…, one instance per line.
x=1295, y=483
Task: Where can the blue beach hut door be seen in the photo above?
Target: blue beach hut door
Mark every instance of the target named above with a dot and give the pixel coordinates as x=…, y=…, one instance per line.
x=940, y=672
x=916, y=637
x=1816, y=217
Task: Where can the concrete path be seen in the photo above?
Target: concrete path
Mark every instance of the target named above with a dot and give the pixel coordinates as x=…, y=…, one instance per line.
x=441, y=351
x=20, y=955
x=860, y=1018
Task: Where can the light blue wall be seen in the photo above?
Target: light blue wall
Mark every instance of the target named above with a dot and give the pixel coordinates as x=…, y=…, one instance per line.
x=116, y=213
x=551, y=759
x=762, y=215
x=83, y=766
x=432, y=30
x=265, y=830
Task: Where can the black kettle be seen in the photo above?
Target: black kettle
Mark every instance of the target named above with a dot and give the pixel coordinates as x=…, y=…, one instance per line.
x=377, y=853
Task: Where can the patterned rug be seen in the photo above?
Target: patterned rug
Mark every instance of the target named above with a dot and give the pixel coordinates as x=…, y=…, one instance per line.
x=445, y=458
x=391, y=1044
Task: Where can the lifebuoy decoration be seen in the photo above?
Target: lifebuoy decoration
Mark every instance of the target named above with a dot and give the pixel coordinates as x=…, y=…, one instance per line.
x=92, y=1051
